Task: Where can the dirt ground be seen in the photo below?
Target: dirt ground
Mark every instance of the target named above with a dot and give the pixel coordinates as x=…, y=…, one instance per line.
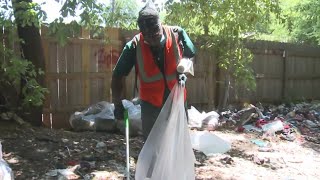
x=33, y=153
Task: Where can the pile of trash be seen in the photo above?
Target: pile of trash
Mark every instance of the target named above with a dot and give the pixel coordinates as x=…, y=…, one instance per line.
x=288, y=121
x=100, y=117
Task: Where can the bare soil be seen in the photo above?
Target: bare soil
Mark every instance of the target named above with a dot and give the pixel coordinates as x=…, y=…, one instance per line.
x=33, y=152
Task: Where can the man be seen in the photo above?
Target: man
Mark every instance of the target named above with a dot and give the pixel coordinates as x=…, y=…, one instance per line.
x=155, y=53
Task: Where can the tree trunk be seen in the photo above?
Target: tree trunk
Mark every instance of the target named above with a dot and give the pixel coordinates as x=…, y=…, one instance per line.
x=31, y=50
x=225, y=97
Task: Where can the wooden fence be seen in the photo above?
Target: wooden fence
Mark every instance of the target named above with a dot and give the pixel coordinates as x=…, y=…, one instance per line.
x=284, y=72
x=79, y=75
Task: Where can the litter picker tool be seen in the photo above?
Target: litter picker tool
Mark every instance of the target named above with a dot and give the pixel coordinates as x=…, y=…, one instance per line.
x=126, y=118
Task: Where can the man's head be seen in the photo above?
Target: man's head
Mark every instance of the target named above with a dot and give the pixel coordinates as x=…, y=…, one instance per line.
x=150, y=25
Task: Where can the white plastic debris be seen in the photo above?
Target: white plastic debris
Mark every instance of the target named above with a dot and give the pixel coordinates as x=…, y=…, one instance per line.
x=209, y=143
x=273, y=127
x=5, y=171
x=64, y=173
x=101, y=145
x=202, y=120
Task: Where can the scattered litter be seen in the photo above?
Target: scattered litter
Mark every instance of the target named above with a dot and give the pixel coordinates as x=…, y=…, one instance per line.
x=290, y=122
x=251, y=128
x=265, y=149
x=260, y=143
x=64, y=173
x=64, y=140
x=259, y=160
x=101, y=145
x=227, y=160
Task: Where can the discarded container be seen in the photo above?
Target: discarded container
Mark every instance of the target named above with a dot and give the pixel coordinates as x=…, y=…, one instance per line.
x=185, y=66
x=209, y=143
x=273, y=127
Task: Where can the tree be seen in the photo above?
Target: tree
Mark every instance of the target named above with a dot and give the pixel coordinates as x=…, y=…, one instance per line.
x=297, y=22
x=224, y=24
x=22, y=72
x=306, y=27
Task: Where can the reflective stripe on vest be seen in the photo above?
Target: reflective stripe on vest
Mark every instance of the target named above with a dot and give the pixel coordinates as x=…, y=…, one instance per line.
x=158, y=76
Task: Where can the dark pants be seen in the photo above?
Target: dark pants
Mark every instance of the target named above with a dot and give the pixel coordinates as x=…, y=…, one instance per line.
x=150, y=113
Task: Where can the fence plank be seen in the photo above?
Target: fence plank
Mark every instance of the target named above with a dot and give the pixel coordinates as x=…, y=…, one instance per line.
x=54, y=98
x=96, y=50
x=85, y=69
x=62, y=82
x=45, y=46
x=53, y=68
x=97, y=90
x=53, y=57
x=74, y=75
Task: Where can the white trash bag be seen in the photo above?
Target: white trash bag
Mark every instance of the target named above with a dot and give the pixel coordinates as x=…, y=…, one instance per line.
x=167, y=153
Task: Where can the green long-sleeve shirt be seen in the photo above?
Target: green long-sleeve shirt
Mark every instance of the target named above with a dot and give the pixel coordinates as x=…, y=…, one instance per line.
x=127, y=58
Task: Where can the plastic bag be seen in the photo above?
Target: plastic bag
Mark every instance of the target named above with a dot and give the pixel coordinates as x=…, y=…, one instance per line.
x=167, y=153
x=5, y=171
x=203, y=121
x=134, y=114
x=98, y=117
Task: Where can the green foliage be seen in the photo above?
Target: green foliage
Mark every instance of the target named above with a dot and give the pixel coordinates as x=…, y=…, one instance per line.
x=14, y=69
x=297, y=22
x=29, y=14
x=93, y=16
x=224, y=23
x=307, y=26
x=61, y=31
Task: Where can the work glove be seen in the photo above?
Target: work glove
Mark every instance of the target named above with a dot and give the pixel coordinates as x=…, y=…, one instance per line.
x=118, y=111
x=182, y=78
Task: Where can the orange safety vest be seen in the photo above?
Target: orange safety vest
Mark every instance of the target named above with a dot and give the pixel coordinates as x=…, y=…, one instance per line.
x=152, y=85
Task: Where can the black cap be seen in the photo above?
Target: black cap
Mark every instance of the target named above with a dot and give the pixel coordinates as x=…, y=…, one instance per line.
x=148, y=16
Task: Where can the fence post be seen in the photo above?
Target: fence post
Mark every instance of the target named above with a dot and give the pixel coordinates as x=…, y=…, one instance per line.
x=284, y=72
x=211, y=82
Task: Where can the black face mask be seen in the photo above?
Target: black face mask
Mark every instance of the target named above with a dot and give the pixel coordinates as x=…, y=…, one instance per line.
x=151, y=24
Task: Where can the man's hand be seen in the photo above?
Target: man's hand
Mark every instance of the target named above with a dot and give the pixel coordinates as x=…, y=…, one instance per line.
x=182, y=78
x=118, y=111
